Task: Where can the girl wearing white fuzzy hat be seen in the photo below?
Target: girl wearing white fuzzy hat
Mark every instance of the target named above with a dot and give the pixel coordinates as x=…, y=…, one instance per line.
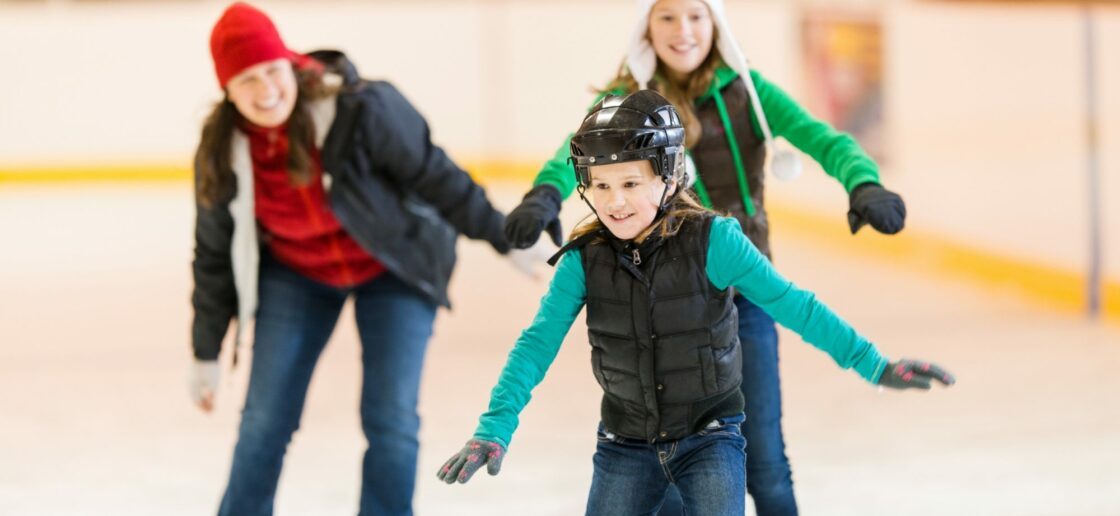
x=686, y=50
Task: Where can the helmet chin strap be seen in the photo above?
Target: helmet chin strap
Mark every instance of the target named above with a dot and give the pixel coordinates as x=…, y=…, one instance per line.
x=581, y=189
x=666, y=200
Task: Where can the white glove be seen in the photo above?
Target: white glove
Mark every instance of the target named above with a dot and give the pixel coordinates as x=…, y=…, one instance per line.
x=528, y=260
x=202, y=383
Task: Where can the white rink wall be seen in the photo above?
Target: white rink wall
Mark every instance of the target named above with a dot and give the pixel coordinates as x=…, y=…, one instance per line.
x=985, y=103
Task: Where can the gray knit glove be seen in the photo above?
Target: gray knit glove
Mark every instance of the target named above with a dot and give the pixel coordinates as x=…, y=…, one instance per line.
x=461, y=466
x=914, y=374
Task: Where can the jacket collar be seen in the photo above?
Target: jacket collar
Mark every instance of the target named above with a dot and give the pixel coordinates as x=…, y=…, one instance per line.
x=337, y=63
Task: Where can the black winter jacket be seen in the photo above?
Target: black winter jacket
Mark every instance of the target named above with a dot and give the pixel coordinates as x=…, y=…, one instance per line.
x=394, y=192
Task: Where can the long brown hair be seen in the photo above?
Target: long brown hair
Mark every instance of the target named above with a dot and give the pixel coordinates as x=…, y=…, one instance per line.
x=683, y=95
x=214, y=179
x=683, y=207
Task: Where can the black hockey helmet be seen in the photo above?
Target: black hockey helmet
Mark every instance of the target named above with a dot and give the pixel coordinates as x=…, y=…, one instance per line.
x=640, y=126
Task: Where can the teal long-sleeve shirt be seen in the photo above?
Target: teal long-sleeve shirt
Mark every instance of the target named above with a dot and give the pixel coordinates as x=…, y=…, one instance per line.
x=733, y=261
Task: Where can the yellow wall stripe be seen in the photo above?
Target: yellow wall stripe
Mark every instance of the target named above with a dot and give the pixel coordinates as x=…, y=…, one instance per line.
x=1051, y=286
x=482, y=170
x=96, y=174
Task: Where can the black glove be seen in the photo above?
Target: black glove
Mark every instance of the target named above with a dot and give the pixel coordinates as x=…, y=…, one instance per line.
x=539, y=210
x=461, y=466
x=914, y=374
x=871, y=203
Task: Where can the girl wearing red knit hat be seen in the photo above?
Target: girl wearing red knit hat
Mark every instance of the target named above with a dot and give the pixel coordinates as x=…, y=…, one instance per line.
x=315, y=186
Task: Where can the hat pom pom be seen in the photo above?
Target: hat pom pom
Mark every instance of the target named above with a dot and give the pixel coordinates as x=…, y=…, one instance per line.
x=785, y=165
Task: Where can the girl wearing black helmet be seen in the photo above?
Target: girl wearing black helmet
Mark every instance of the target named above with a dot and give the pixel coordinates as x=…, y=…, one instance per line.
x=656, y=271
x=686, y=50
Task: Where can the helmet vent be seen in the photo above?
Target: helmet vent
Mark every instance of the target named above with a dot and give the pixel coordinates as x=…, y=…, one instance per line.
x=639, y=143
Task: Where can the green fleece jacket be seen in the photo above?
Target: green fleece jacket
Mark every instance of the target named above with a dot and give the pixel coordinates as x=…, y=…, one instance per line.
x=733, y=261
x=836, y=152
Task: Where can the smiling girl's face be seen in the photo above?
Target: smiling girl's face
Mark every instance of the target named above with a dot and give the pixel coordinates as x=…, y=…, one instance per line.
x=626, y=196
x=265, y=94
x=681, y=34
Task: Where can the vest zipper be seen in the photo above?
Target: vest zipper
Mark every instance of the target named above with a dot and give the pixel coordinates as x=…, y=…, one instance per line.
x=636, y=257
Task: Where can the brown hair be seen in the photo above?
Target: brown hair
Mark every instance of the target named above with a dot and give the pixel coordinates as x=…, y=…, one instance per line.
x=214, y=179
x=683, y=207
x=683, y=95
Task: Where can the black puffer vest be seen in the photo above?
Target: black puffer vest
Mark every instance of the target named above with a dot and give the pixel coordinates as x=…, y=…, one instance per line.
x=665, y=345
x=716, y=166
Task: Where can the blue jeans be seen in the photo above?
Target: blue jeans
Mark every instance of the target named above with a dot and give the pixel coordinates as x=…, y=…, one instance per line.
x=632, y=476
x=769, y=481
x=294, y=320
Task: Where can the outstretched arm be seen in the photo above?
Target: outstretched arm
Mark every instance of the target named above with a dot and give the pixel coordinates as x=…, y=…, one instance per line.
x=840, y=156
x=733, y=261
x=525, y=368
x=399, y=143
x=214, y=298
x=837, y=152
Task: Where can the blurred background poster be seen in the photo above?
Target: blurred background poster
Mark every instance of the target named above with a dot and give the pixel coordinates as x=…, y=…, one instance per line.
x=842, y=59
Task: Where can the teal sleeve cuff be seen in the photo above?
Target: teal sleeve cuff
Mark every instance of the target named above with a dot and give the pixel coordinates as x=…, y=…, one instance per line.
x=491, y=438
x=870, y=363
x=877, y=370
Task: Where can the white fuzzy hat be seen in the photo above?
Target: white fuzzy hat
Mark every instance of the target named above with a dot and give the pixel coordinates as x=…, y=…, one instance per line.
x=642, y=63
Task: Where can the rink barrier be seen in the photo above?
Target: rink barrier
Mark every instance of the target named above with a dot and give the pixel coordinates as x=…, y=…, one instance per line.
x=94, y=174
x=1049, y=286
x=1046, y=285
x=483, y=171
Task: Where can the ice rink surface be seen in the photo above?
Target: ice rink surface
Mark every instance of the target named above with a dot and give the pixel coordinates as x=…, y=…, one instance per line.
x=95, y=418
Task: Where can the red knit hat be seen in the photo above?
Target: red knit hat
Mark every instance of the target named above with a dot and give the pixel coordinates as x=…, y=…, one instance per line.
x=243, y=37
